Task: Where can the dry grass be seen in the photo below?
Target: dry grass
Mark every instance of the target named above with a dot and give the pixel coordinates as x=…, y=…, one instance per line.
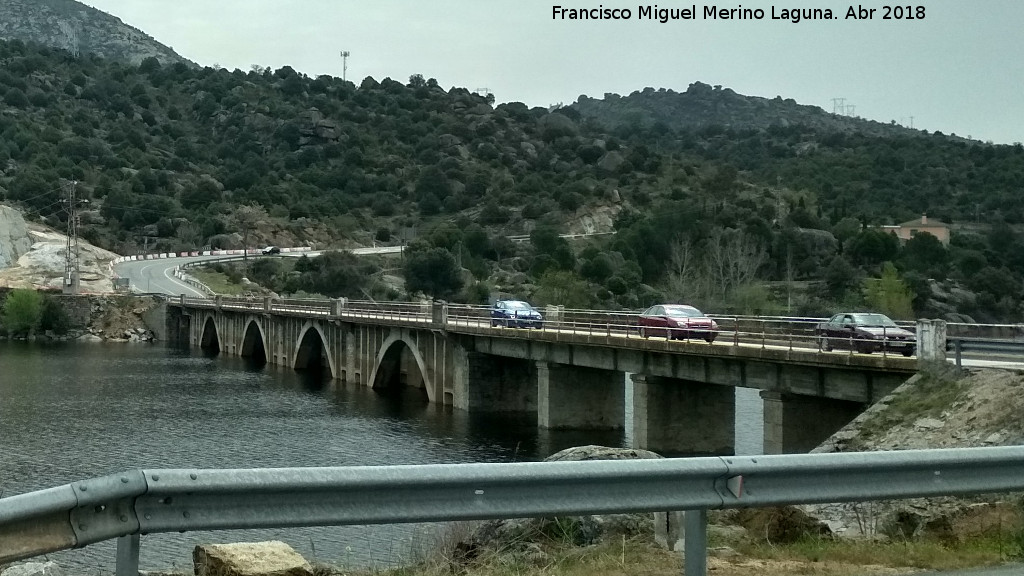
x=217, y=281
x=639, y=557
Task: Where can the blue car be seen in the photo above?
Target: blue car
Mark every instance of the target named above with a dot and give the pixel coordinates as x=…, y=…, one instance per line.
x=515, y=314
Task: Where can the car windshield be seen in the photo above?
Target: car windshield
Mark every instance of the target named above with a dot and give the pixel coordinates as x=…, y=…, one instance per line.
x=517, y=305
x=873, y=320
x=683, y=312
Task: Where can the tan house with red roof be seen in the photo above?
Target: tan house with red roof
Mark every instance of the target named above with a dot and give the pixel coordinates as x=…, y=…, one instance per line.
x=909, y=229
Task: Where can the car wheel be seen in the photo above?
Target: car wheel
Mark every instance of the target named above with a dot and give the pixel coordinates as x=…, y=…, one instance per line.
x=824, y=345
x=494, y=323
x=643, y=332
x=865, y=348
x=908, y=352
x=710, y=339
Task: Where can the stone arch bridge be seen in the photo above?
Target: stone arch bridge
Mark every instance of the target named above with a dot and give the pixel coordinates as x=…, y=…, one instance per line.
x=571, y=376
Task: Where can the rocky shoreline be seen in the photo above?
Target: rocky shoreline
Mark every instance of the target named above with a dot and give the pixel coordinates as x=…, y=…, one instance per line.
x=96, y=318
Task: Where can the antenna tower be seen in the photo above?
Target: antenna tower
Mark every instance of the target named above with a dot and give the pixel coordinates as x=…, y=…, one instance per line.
x=837, y=105
x=72, y=256
x=849, y=109
x=344, y=64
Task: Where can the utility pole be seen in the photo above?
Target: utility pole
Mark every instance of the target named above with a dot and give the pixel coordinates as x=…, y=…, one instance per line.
x=837, y=106
x=245, y=249
x=344, y=64
x=72, y=256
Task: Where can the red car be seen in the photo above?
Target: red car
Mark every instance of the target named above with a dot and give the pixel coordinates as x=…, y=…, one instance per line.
x=677, y=321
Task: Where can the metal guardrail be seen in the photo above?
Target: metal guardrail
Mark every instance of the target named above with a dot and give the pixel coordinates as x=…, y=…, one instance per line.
x=138, y=502
x=984, y=346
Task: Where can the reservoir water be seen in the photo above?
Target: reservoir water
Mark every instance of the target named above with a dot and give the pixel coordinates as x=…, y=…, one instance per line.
x=74, y=411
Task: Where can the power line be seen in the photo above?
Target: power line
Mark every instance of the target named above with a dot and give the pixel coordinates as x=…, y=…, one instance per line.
x=72, y=257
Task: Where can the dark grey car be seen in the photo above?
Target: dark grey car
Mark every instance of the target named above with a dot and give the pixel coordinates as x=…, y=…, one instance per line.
x=865, y=332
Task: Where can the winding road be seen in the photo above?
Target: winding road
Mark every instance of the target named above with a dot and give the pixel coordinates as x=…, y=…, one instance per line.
x=157, y=276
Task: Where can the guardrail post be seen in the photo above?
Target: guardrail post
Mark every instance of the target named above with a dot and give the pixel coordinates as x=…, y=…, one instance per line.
x=267, y=303
x=128, y=555
x=181, y=299
x=931, y=342
x=959, y=347
x=218, y=301
x=439, y=313
x=695, y=543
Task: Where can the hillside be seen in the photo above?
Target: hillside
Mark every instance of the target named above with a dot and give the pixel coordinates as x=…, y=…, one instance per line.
x=702, y=106
x=80, y=30
x=174, y=157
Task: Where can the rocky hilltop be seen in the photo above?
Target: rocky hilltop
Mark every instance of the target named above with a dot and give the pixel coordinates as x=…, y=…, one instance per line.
x=704, y=106
x=79, y=29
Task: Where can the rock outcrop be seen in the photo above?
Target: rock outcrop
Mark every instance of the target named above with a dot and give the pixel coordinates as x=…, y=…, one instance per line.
x=33, y=569
x=14, y=238
x=37, y=257
x=949, y=409
x=78, y=28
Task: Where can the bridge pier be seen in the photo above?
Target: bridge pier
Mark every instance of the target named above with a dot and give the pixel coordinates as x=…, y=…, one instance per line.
x=671, y=415
x=795, y=423
x=573, y=397
x=496, y=384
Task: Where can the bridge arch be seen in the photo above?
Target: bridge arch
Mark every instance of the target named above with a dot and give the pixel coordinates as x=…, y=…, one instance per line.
x=209, y=339
x=388, y=364
x=254, y=342
x=311, y=350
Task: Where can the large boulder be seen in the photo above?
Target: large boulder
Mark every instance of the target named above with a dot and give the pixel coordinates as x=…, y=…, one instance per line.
x=273, y=558
x=779, y=525
x=33, y=569
x=578, y=530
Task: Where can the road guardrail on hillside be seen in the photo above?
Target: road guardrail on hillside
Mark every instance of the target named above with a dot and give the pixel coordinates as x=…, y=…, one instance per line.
x=989, y=347
x=136, y=502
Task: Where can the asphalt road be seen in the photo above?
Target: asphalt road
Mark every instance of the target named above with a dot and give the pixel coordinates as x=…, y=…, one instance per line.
x=157, y=276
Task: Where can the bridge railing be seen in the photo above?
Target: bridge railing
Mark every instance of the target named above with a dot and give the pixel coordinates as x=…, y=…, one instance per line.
x=794, y=333
x=310, y=306
x=774, y=332
x=395, y=311
x=136, y=502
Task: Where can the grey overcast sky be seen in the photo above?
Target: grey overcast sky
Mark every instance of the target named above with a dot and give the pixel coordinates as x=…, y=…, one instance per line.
x=959, y=70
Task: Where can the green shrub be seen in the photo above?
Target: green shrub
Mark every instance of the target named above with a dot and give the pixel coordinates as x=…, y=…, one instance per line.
x=54, y=317
x=22, y=311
